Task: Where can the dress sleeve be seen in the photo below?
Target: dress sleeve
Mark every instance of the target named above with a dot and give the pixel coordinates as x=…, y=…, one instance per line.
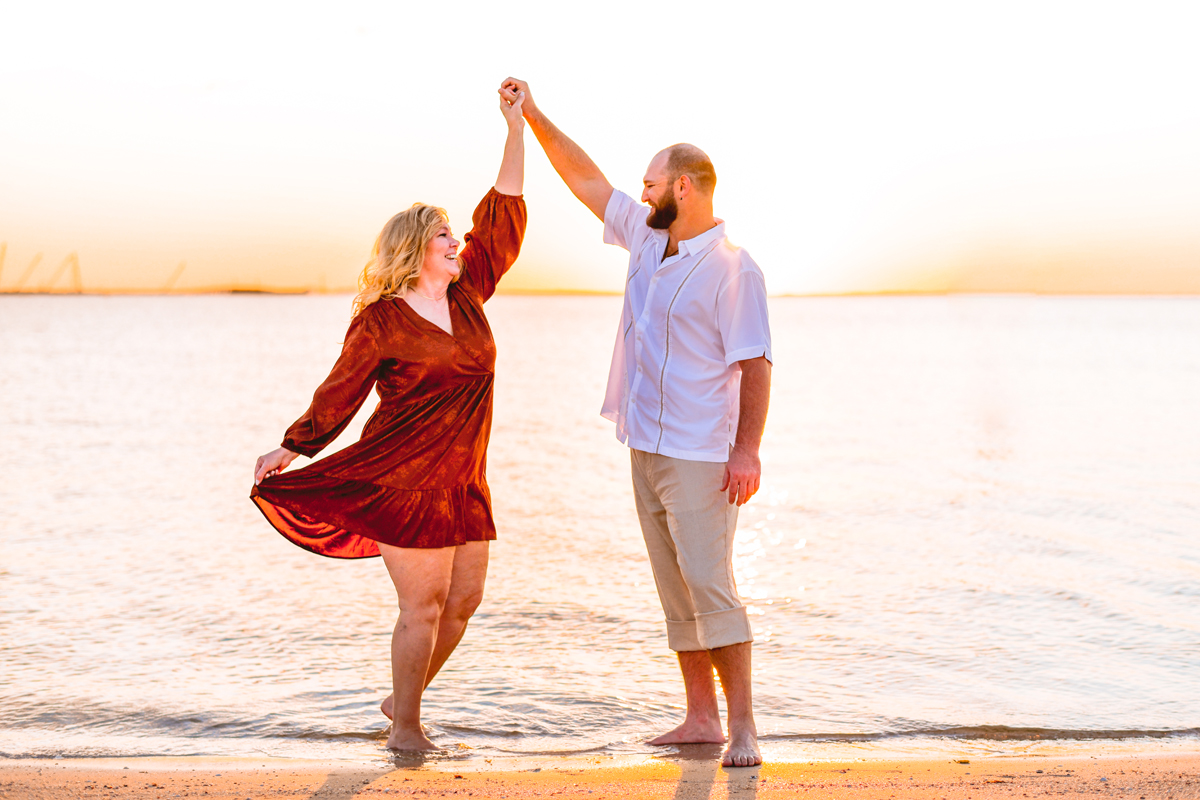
x=338, y=399
x=491, y=247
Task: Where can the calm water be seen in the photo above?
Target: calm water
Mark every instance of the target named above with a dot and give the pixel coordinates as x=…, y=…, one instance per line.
x=980, y=517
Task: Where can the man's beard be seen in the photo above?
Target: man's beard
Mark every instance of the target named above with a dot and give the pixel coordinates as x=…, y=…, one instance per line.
x=661, y=216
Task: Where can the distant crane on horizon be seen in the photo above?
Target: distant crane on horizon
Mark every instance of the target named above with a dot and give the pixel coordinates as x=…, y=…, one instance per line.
x=72, y=260
x=174, y=276
x=37, y=259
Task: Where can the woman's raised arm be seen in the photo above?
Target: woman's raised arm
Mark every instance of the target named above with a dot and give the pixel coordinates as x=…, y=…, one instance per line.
x=511, y=180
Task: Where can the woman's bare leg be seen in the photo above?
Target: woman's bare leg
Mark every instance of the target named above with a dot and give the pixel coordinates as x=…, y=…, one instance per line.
x=466, y=592
x=422, y=580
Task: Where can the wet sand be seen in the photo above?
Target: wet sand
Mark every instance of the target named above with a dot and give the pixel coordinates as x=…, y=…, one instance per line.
x=1151, y=777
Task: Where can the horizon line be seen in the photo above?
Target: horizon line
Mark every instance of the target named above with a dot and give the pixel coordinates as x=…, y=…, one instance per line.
x=291, y=291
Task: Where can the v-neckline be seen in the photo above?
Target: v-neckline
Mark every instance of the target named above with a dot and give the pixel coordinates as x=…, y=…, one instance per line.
x=449, y=310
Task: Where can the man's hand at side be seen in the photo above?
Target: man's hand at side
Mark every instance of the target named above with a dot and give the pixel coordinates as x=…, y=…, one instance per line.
x=743, y=471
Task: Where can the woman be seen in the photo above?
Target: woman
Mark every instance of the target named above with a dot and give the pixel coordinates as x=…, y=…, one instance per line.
x=413, y=488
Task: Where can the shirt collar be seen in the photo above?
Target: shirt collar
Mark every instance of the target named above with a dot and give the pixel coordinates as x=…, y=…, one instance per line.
x=698, y=244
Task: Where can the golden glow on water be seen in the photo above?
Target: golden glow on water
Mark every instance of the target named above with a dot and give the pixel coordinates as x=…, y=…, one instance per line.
x=977, y=518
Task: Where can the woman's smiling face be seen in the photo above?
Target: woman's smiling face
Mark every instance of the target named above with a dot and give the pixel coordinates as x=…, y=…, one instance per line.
x=441, y=256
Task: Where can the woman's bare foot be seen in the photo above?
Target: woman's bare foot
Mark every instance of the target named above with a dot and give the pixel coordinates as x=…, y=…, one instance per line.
x=386, y=706
x=409, y=739
x=693, y=732
x=742, y=750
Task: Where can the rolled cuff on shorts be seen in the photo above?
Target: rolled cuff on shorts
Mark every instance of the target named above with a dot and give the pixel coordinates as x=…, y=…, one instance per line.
x=710, y=631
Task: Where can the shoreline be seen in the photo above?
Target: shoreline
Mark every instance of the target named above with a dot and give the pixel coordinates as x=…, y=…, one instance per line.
x=687, y=773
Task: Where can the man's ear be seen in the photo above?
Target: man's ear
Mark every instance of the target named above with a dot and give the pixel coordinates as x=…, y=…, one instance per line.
x=685, y=186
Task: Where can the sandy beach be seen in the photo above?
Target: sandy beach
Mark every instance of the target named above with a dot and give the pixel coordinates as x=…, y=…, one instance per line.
x=1150, y=777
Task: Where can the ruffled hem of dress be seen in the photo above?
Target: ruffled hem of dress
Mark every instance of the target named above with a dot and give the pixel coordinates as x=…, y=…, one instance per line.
x=343, y=518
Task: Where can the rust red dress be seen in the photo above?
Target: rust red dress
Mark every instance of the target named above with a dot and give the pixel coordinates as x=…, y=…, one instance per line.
x=416, y=478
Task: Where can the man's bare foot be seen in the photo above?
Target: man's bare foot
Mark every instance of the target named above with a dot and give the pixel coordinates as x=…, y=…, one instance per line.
x=409, y=739
x=742, y=750
x=693, y=732
x=386, y=706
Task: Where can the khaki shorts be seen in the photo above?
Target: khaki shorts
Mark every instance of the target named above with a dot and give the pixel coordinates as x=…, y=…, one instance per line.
x=689, y=527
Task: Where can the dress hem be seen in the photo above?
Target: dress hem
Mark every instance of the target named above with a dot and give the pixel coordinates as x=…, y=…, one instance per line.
x=464, y=516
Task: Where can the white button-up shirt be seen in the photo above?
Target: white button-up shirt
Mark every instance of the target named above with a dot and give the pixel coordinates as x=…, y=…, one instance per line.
x=673, y=387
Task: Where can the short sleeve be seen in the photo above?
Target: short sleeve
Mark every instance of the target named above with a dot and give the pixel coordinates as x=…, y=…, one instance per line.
x=624, y=220
x=494, y=242
x=338, y=399
x=742, y=314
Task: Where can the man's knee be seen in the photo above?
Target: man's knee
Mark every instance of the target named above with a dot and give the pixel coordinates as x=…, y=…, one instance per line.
x=709, y=583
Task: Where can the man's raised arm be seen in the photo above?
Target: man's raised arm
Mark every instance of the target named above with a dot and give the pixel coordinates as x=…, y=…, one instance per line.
x=580, y=173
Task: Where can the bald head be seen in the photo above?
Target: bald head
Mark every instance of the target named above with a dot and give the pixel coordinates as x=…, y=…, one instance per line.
x=687, y=159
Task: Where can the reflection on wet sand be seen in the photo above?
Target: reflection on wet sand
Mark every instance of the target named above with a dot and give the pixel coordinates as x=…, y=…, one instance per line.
x=680, y=776
x=700, y=768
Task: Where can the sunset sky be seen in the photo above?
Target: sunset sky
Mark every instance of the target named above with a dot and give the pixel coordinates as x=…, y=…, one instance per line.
x=1024, y=146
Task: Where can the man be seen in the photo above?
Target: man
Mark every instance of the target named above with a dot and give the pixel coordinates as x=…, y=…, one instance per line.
x=688, y=389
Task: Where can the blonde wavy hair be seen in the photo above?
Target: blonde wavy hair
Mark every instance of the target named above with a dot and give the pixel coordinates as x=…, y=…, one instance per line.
x=398, y=254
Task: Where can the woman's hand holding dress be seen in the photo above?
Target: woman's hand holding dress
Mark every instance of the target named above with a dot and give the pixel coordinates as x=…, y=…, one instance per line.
x=273, y=463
